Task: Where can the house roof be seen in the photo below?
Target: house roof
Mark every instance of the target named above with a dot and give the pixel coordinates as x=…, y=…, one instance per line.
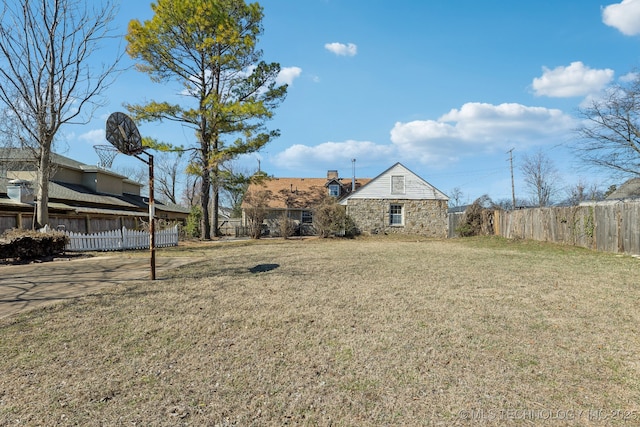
x=78, y=193
x=628, y=190
x=78, y=198
x=18, y=155
x=71, y=197
x=300, y=193
x=293, y=193
x=24, y=156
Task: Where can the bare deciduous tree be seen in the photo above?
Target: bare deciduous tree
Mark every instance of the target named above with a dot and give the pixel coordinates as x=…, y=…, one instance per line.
x=456, y=197
x=540, y=177
x=610, y=137
x=234, y=183
x=256, y=208
x=583, y=191
x=191, y=191
x=168, y=171
x=47, y=77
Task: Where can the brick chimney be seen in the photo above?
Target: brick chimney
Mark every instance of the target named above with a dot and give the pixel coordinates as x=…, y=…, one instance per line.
x=332, y=174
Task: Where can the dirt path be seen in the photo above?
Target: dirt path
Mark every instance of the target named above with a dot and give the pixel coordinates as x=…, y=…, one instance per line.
x=24, y=287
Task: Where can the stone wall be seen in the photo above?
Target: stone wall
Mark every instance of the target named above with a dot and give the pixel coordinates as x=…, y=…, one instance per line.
x=425, y=217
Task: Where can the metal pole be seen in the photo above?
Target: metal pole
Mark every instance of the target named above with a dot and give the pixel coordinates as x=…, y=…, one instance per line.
x=513, y=187
x=152, y=228
x=353, y=167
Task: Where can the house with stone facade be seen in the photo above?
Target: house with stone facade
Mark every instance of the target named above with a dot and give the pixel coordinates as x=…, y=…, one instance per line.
x=296, y=198
x=399, y=201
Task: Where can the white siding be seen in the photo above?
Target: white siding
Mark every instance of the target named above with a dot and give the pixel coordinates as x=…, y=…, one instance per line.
x=416, y=188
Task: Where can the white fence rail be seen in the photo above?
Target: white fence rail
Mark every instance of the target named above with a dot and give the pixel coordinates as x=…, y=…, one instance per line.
x=117, y=240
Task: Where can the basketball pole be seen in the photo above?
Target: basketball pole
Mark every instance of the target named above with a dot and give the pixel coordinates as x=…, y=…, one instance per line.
x=152, y=214
x=152, y=221
x=123, y=134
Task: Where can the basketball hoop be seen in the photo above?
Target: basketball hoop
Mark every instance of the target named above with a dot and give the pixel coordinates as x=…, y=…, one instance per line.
x=125, y=138
x=106, y=153
x=123, y=134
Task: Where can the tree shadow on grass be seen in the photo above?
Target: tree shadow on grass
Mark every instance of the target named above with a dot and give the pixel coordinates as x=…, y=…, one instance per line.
x=263, y=268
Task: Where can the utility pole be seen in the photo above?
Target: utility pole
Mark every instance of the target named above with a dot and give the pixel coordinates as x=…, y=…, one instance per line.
x=513, y=187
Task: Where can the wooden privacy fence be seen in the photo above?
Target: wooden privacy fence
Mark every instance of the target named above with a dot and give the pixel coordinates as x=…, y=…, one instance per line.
x=455, y=219
x=604, y=226
x=117, y=240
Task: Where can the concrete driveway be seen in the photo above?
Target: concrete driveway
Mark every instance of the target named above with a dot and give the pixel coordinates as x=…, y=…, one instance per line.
x=24, y=287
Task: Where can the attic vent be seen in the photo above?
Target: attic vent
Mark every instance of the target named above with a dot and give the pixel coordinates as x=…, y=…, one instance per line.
x=397, y=184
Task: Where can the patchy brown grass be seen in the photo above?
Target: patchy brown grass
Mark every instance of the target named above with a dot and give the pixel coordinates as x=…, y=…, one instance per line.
x=340, y=332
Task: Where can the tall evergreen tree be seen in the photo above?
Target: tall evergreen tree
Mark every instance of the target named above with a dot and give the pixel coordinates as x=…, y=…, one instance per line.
x=210, y=48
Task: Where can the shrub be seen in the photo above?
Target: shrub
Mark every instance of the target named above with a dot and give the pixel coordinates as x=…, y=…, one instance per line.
x=28, y=244
x=286, y=226
x=192, y=227
x=256, y=203
x=330, y=219
x=478, y=218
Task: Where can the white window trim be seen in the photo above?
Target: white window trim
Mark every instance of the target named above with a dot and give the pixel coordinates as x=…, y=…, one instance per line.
x=401, y=223
x=336, y=187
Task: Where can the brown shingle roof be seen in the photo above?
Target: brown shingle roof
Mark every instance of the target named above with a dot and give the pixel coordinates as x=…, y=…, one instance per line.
x=299, y=193
x=293, y=193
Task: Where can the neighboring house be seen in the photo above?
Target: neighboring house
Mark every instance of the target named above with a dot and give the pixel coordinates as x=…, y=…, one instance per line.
x=399, y=201
x=628, y=190
x=82, y=198
x=296, y=198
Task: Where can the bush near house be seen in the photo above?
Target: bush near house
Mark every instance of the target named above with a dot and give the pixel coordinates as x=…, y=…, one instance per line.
x=477, y=218
x=330, y=219
x=26, y=244
x=256, y=210
x=286, y=226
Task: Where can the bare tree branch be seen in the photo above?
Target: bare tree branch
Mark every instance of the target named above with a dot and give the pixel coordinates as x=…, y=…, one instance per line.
x=610, y=136
x=48, y=74
x=541, y=177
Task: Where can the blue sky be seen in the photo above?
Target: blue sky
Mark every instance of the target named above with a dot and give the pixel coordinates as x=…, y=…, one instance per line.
x=444, y=87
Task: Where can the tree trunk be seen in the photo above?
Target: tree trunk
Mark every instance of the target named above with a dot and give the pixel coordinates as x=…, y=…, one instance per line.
x=42, y=208
x=205, y=188
x=216, y=201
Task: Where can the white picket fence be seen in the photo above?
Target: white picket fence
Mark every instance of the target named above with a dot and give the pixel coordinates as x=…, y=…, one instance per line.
x=117, y=240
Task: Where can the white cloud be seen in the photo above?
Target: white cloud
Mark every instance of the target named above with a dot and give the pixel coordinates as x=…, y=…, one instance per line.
x=287, y=75
x=629, y=77
x=331, y=153
x=474, y=129
x=624, y=16
x=479, y=127
x=574, y=80
x=342, y=49
x=96, y=136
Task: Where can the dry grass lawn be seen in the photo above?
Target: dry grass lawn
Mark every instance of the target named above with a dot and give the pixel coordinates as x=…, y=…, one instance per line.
x=373, y=332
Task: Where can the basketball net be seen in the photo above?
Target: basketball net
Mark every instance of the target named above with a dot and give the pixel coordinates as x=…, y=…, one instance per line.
x=106, y=153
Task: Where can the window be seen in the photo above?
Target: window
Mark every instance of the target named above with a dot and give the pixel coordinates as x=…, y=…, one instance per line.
x=397, y=184
x=334, y=190
x=395, y=215
x=307, y=217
